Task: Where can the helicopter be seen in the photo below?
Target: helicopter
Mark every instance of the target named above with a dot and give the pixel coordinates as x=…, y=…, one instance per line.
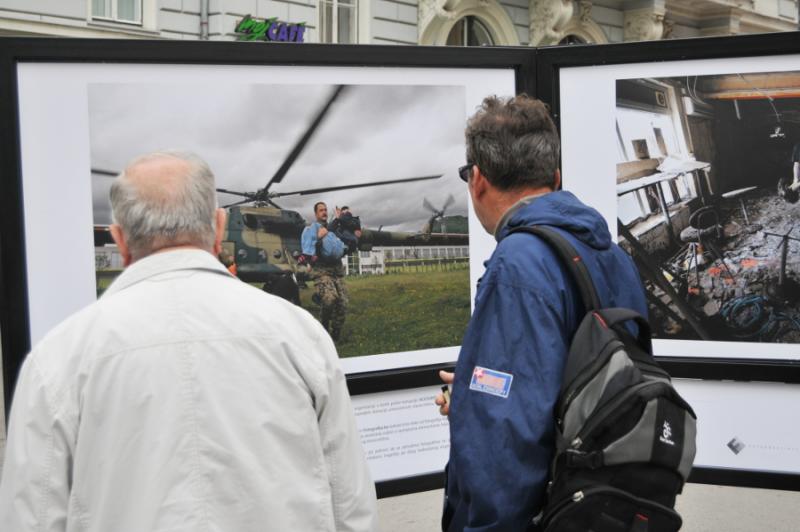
x=263, y=239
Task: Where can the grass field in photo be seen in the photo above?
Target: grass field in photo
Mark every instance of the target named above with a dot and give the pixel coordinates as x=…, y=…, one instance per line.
x=401, y=312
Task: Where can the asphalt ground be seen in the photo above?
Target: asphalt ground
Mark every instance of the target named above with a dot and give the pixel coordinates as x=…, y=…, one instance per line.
x=704, y=508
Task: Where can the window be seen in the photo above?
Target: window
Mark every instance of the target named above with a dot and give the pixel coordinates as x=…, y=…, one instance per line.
x=469, y=31
x=644, y=135
x=118, y=10
x=572, y=39
x=338, y=21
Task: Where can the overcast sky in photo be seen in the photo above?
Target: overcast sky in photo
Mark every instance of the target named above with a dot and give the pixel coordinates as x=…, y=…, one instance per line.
x=245, y=132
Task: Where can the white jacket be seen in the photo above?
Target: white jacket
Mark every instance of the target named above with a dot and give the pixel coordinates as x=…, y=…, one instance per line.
x=184, y=400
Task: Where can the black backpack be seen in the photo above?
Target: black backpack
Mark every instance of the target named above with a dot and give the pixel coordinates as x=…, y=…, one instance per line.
x=625, y=439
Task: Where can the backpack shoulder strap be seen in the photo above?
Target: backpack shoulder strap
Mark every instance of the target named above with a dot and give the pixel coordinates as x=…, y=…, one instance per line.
x=565, y=250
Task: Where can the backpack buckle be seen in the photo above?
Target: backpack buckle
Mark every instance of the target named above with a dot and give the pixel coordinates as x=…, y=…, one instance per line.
x=576, y=459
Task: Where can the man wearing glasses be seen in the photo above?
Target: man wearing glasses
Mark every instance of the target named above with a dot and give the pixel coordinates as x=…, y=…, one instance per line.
x=527, y=309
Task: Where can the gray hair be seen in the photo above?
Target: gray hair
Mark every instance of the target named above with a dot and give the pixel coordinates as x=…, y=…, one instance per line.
x=514, y=142
x=179, y=211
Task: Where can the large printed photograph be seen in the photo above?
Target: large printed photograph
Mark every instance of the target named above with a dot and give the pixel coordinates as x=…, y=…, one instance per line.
x=707, y=186
x=374, y=165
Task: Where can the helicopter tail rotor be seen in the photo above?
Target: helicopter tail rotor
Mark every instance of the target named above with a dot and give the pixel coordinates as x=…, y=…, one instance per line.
x=437, y=214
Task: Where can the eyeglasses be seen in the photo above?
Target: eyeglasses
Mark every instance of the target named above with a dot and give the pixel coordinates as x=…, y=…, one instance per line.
x=464, y=171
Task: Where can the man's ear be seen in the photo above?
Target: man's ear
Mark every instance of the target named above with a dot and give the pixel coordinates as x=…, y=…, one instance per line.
x=479, y=183
x=219, y=230
x=557, y=180
x=122, y=244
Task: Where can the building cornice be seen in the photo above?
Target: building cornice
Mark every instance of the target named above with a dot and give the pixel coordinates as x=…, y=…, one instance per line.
x=53, y=26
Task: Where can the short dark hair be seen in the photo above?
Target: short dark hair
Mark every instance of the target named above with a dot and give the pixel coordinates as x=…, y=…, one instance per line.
x=514, y=142
x=317, y=204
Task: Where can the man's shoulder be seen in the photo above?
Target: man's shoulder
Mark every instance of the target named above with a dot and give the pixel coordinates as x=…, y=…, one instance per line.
x=522, y=255
x=238, y=298
x=150, y=313
x=65, y=348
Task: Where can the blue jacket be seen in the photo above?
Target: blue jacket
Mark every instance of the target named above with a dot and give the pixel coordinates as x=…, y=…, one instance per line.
x=527, y=309
x=332, y=246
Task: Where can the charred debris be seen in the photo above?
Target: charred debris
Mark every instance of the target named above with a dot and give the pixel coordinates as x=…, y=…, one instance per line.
x=707, y=206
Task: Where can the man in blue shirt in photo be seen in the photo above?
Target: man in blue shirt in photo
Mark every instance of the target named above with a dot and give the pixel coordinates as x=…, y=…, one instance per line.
x=322, y=250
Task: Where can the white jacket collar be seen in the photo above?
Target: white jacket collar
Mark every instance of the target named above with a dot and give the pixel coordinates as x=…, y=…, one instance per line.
x=163, y=262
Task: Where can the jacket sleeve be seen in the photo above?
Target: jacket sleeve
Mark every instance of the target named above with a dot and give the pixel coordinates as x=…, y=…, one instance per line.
x=34, y=491
x=352, y=488
x=501, y=447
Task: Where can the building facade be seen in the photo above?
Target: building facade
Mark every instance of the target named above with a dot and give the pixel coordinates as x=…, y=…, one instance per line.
x=404, y=22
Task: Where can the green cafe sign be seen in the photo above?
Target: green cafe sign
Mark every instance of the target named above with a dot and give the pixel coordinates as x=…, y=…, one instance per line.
x=269, y=29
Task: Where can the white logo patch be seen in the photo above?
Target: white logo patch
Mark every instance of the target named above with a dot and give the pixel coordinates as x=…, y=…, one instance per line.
x=491, y=381
x=666, y=434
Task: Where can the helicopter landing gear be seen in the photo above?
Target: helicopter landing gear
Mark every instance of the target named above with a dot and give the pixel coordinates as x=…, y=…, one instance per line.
x=283, y=285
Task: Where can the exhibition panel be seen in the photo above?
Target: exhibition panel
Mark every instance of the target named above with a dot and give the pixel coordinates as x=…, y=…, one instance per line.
x=686, y=148
x=376, y=129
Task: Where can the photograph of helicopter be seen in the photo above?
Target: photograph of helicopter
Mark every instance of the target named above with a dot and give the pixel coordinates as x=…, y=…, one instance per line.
x=315, y=143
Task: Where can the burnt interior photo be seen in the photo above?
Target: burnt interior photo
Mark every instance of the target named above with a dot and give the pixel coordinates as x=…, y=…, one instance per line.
x=707, y=191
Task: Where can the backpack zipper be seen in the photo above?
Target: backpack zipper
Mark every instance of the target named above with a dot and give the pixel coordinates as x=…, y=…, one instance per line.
x=581, y=495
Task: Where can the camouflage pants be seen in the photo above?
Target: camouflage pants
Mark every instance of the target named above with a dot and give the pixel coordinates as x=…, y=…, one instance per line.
x=332, y=296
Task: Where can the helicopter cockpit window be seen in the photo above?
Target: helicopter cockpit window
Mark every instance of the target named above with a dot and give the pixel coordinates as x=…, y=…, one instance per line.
x=250, y=220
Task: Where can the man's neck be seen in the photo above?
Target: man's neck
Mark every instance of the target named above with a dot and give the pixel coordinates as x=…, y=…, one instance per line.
x=165, y=249
x=506, y=201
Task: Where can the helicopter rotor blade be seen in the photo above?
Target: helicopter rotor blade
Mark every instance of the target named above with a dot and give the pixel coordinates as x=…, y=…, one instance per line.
x=301, y=144
x=427, y=205
x=235, y=193
x=448, y=202
x=236, y=203
x=345, y=187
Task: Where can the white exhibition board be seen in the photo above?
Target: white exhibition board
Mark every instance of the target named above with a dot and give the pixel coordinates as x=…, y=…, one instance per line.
x=590, y=153
x=746, y=426
x=56, y=167
x=402, y=432
x=738, y=428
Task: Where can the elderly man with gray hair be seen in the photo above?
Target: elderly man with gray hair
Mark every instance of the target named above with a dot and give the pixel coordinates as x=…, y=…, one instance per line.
x=183, y=399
